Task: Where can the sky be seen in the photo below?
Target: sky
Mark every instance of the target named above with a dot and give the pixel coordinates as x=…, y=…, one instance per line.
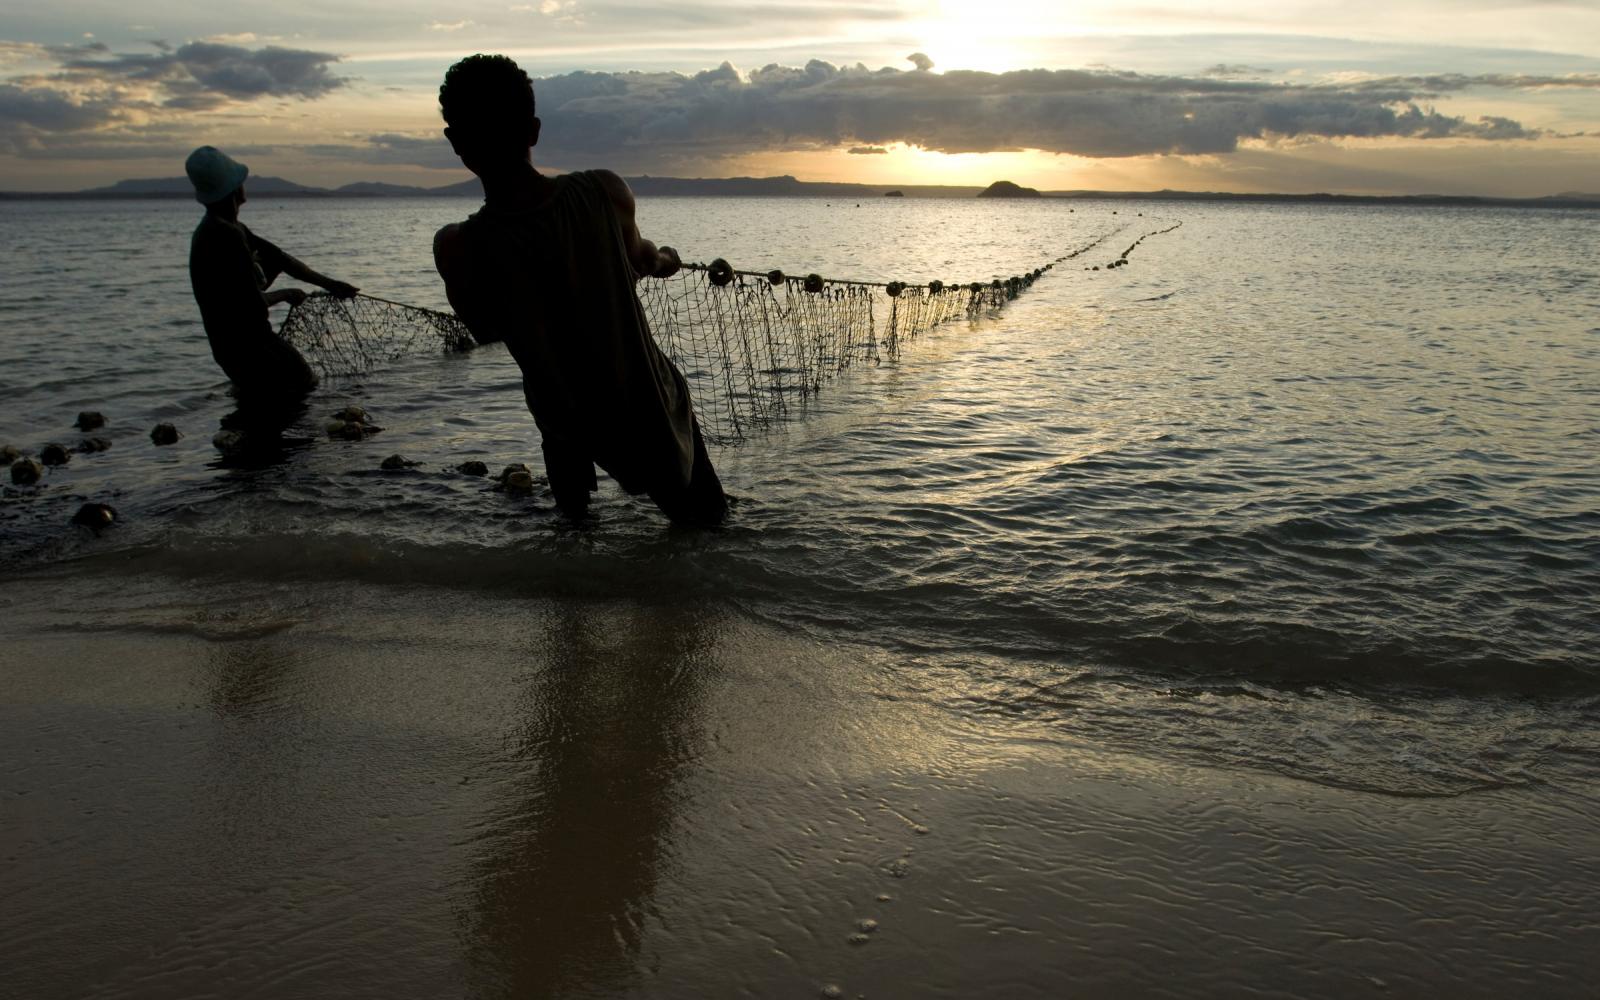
x=1487, y=97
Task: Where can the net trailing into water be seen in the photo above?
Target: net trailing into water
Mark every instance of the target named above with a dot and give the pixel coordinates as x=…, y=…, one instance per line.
x=754, y=346
x=355, y=335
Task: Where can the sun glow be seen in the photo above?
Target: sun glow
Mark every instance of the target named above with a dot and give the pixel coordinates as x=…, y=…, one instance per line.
x=993, y=36
x=908, y=165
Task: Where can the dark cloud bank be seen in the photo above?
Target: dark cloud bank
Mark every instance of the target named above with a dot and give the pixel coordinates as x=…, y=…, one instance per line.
x=651, y=120
x=222, y=71
x=48, y=114
x=1095, y=114
x=654, y=120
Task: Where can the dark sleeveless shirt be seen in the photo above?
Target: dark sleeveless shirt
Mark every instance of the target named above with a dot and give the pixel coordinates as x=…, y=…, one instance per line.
x=229, y=268
x=556, y=284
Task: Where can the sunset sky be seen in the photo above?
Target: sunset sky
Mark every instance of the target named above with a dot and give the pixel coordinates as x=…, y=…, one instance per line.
x=1465, y=96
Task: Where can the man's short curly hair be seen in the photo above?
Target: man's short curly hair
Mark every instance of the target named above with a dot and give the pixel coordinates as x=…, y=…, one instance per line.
x=483, y=94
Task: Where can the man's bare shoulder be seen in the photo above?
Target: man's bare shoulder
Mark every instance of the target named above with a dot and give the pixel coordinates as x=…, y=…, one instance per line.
x=449, y=235
x=615, y=187
x=449, y=248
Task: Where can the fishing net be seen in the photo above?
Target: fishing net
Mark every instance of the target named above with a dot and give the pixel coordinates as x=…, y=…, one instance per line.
x=754, y=346
x=355, y=335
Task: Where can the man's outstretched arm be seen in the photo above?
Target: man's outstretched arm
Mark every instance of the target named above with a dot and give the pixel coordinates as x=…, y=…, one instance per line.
x=300, y=272
x=648, y=260
x=293, y=296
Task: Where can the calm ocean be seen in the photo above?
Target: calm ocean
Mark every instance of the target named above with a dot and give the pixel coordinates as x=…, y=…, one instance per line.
x=1310, y=490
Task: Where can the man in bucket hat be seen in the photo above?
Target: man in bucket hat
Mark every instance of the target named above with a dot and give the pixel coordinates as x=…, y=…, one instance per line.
x=231, y=268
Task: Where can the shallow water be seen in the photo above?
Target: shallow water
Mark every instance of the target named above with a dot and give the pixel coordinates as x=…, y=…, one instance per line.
x=1292, y=525
x=1302, y=488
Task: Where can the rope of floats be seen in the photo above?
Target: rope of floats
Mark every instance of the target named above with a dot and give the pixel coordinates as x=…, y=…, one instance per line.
x=720, y=273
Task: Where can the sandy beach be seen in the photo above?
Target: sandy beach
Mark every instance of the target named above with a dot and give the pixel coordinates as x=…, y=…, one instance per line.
x=289, y=789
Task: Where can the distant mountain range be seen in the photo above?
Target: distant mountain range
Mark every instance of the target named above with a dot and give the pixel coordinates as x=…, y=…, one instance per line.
x=786, y=186
x=278, y=187
x=274, y=187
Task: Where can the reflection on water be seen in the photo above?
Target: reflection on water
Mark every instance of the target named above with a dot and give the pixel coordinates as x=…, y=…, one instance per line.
x=258, y=790
x=242, y=675
x=565, y=869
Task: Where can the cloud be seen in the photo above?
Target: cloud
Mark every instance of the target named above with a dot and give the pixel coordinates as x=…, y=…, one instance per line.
x=227, y=70
x=16, y=53
x=665, y=121
x=46, y=110
x=1435, y=84
x=1234, y=70
x=661, y=121
x=560, y=11
x=93, y=96
x=451, y=26
x=640, y=118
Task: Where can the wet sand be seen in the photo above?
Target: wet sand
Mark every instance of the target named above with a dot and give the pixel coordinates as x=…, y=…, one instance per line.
x=311, y=790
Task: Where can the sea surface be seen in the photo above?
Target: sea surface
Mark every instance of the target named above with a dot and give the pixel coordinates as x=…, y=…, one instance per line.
x=1306, y=489
x=1221, y=624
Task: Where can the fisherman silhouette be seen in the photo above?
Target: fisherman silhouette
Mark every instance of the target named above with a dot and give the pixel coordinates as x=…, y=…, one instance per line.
x=231, y=268
x=549, y=265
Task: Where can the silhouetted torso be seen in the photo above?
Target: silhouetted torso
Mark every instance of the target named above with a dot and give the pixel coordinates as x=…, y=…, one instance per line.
x=229, y=267
x=555, y=280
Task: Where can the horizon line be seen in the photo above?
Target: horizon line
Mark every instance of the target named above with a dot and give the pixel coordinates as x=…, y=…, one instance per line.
x=180, y=189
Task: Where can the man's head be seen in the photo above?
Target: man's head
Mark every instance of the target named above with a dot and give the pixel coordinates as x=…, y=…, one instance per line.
x=216, y=176
x=487, y=103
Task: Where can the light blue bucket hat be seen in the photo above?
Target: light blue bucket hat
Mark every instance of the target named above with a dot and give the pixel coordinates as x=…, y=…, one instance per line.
x=214, y=174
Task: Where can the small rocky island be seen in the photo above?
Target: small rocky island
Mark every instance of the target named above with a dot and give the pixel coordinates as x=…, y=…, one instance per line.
x=1006, y=189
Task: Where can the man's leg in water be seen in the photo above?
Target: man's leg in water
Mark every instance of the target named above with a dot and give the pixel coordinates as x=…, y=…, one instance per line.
x=571, y=475
x=269, y=367
x=701, y=503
